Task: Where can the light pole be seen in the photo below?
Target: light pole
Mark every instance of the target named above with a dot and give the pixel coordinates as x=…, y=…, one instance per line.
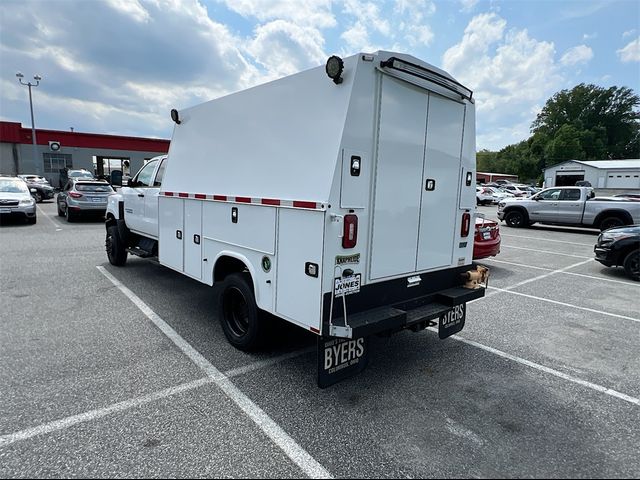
x=37, y=165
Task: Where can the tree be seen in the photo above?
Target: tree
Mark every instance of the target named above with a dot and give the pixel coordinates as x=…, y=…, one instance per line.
x=605, y=122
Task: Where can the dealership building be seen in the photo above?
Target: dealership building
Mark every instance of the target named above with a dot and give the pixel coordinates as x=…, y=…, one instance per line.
x=109, y=155
x=605, y=174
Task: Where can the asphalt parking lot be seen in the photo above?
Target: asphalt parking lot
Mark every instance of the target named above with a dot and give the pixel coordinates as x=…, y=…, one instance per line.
x=125, y=372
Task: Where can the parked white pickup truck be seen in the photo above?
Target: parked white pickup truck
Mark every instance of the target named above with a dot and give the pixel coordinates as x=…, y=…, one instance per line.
x=576, y=206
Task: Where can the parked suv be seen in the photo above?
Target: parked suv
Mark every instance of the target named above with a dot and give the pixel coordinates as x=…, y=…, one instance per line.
x=83, y=197
x=16, y=200
x=620, y=247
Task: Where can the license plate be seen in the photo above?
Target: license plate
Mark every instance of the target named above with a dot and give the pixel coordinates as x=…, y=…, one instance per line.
x=452, y=321
x=486, y=235
x=97, y=200
x=346, y=285
x=5, y=210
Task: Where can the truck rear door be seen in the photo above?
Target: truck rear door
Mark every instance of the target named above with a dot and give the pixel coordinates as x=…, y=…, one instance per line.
x=417, y=180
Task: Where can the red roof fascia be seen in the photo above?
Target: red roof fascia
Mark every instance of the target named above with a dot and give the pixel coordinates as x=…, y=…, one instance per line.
x=12, y=132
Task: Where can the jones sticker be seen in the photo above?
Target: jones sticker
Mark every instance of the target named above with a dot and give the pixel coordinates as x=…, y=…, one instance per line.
x=346, y=285
x=340, y=358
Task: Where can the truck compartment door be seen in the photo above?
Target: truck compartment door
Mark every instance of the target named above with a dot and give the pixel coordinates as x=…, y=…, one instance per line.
x=300, y=242
x=439, y=205
x=399, y=175
x=171, y=229
x=193, y=238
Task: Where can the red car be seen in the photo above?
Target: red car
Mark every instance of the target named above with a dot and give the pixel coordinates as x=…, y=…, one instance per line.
x=487, y=239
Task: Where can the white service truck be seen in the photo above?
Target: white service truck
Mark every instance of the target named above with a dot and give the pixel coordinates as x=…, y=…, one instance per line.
x=340, y=199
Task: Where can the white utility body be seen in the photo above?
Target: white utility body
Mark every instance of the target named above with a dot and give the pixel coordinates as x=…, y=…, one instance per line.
x=318, y=197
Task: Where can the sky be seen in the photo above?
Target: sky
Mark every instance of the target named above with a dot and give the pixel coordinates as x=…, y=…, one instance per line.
x=120, y=66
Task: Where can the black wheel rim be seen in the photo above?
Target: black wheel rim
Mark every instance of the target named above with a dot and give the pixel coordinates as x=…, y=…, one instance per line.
x=515, y=219
x=236, y=312
x=38, y=198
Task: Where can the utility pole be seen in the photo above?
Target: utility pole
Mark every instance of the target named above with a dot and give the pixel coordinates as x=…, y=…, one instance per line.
x=37, y=165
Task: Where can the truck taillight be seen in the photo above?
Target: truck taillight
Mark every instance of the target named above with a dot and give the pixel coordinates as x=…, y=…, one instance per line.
x=466, y=224
x=75, y=195
x=350, y=232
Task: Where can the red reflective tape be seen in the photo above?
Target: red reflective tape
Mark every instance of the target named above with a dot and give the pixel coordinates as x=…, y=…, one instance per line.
x=314, y=330
x=220, y=197
x=243, y=199
x=270, y=201
x=183, y=195
x=304, y=204
x=168, y=194
x=201, y=196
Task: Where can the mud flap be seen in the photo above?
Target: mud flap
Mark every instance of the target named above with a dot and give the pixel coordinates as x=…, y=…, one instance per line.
x=340, y=358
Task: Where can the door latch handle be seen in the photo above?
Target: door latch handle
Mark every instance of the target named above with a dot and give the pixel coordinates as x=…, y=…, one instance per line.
x=141, y=194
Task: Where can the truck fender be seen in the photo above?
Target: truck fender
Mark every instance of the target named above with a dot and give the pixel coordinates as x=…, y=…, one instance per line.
x=613, y=212
x=247, y=264
x=523, y=209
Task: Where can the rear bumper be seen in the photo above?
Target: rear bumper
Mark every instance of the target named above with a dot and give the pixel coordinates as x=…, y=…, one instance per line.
x=391, y=306
x=399, y=317
x=486, y=249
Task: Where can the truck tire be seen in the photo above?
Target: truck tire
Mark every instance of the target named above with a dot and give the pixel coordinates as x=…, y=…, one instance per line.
x=242, y=321
x=631, y=265
x=610, y=222
x=116, y=249
x=60, y=211
x=516, y=219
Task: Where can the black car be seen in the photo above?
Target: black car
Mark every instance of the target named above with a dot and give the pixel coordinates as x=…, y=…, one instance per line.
x=620, y=246
x=43, y=191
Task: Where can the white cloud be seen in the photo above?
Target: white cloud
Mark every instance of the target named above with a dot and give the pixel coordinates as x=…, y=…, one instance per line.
x=629, y=33
x=468, y=5
x=510, y=73
x=631, y=52
x=577, y=55
x=131, y=8
x=315, y=13
x=589, y=36
x=284, y=48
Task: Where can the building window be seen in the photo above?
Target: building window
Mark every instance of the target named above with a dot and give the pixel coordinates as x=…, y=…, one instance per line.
x=53, y=162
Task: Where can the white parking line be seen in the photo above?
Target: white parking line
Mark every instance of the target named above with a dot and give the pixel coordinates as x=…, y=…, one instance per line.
x=69, y=422
x=551, y=371
x=544, y=251
x=58, y=229
x=288, y=445
x=564, y=273
x=100, y=412
x=545, y=240
x=565, y=304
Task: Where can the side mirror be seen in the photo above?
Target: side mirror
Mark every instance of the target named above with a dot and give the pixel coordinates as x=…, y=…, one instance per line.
x=132, y=183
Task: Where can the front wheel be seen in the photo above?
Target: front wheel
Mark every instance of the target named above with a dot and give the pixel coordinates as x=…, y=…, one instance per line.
x=610, y=222
x=242, y=321
x=37, y=197
x=632, y=265
x=515, y=219
x=116, y=250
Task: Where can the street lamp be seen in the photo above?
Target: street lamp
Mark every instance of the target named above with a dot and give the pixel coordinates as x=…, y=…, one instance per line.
x=37, y=78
